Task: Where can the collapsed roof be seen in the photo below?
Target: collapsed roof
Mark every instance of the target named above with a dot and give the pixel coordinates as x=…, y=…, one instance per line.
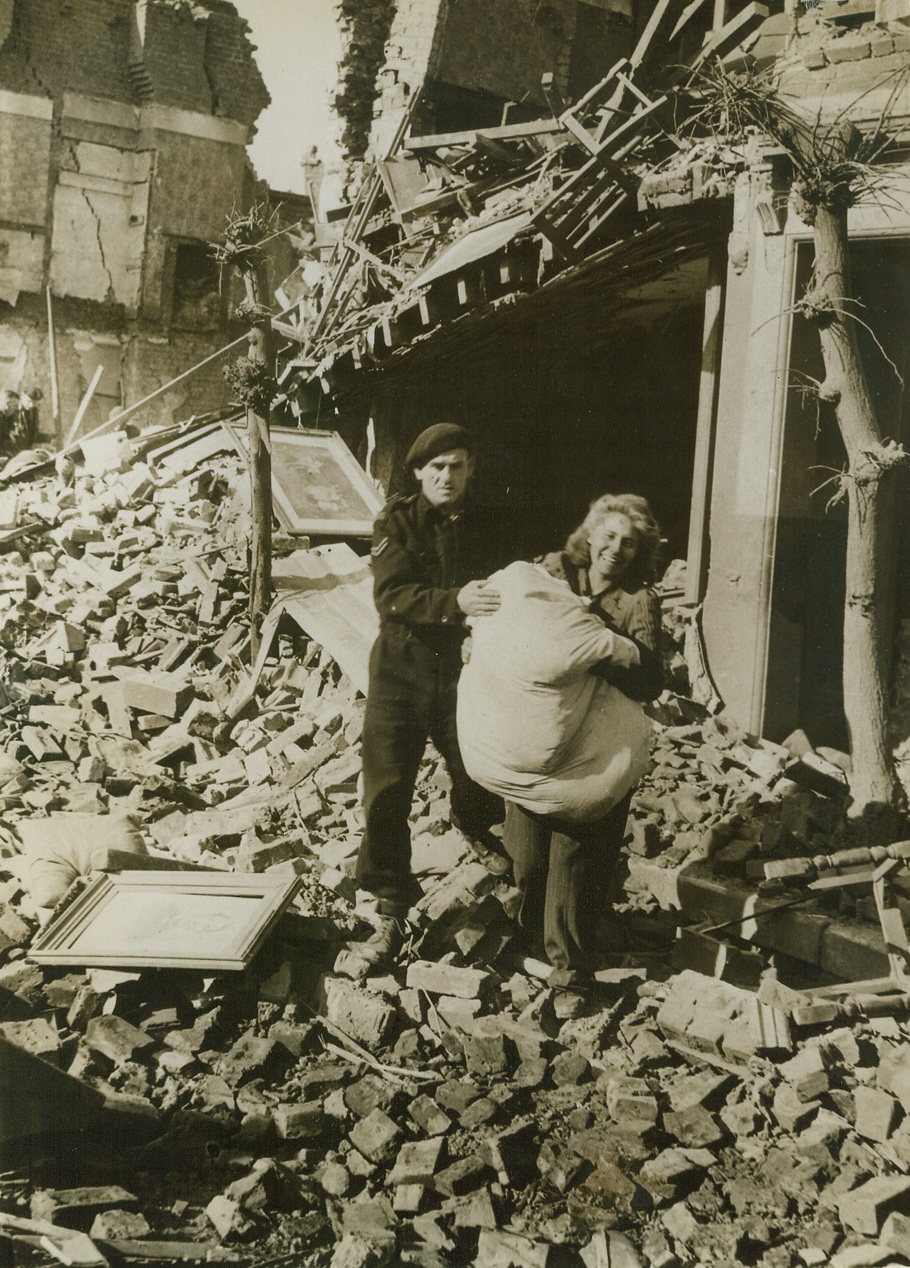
x=482, y=233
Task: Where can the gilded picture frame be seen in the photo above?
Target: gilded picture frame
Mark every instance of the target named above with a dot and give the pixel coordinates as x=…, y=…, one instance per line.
x=318, y=486
x=140, y=919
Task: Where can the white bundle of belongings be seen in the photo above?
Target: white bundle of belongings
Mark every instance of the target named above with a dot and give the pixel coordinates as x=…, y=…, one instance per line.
x=534, y=724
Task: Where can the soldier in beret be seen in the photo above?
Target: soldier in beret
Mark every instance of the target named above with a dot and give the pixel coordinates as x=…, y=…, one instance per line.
x=429, y=558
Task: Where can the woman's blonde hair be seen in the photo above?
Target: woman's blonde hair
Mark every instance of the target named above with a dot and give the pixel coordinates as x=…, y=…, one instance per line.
x=643, y=569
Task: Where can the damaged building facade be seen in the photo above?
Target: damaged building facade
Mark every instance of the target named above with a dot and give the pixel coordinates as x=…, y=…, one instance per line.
x=196, y=1079
x=123, y=127
x=607, y=297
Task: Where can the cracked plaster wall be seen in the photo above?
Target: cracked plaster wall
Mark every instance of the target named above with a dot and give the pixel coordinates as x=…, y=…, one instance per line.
x=98, y=238
x=108, y=164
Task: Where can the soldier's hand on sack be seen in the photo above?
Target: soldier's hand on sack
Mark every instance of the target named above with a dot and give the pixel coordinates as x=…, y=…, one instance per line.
x=478, y=598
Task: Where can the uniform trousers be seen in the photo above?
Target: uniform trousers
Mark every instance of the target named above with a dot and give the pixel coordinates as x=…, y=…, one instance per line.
x=411, y=698
x=565, y=873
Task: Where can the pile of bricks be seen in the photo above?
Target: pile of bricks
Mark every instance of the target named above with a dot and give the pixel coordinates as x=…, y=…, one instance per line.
x=440, y=1115
x=444, y=1116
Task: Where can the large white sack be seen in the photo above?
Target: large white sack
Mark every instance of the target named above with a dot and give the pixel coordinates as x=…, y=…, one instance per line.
x=534, y=725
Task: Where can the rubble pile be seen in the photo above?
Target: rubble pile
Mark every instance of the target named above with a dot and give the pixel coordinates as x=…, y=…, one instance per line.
x=284, y=1114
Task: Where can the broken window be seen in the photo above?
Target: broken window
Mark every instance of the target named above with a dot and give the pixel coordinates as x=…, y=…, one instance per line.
x=197, y=300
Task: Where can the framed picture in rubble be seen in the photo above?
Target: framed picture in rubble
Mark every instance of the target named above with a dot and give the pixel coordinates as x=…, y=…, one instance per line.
x=318, y=486
x=192, y=920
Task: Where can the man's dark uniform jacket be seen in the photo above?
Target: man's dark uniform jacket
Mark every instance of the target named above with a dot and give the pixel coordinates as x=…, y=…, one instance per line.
x=421, y=557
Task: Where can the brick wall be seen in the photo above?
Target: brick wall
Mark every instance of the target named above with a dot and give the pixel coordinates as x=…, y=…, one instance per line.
x=237, y=86
x=25, y=144
x=173, y=57
x=139, y=360
x=474, y=54
x=57, y=45
x=838, y=60
x=364, y=26
x=196, y=183
x=122, y=129
x=410, y=53
x=504, y=46
x=191, y=60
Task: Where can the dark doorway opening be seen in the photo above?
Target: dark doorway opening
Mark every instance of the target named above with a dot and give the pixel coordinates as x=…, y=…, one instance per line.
x=805, y=660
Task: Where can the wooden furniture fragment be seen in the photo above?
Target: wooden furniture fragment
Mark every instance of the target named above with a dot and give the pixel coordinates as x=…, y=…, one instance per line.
x=610, y=119
x=725, y=40
x=879, y=866
x=511, y=131
x=210, y=920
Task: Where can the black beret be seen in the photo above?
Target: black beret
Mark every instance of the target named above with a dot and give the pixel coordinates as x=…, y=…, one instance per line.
x=440, y=438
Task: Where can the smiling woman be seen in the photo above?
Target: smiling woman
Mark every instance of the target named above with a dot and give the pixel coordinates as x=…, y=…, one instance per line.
x=297, y=52
x=565, y=862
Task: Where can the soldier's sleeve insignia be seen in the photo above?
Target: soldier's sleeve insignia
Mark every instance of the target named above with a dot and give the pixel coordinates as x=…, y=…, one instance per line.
x=379, y=548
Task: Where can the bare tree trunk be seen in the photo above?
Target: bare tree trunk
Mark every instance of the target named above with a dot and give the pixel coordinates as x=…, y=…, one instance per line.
x=260, y=463
x=871, y=466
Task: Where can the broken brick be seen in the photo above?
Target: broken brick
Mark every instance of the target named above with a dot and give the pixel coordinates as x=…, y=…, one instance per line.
x=486, y=1054
x=375, y=1136
x=417, y=1162
x=570, y=1069
x=116, y=1039
x=251, y=1057
x=305, y=1120
x=865, y=1208
x=428, y=1116
x=877, y=1113
x=464, y=1176
x=447, y=979
x=694, y=1127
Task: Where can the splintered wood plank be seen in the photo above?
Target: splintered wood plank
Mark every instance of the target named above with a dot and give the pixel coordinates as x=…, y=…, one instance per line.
x=569, y=212
x=580, y=133
x=510, y=131
x=574, y=226
x=686, y=17
x=593, y=93
x=631, y=127
x=725, y=41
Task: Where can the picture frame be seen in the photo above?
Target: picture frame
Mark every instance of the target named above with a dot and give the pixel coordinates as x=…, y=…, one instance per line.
x=318, y=486
x=141, y=919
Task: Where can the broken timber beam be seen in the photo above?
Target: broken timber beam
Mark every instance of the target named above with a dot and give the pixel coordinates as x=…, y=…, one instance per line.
x=725, y=41
x=510, y=132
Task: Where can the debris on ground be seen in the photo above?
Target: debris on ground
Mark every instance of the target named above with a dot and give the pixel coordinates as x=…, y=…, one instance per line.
x=703, y=1112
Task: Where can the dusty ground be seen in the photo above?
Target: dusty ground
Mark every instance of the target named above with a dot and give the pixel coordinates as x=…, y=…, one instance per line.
x=283, y=1114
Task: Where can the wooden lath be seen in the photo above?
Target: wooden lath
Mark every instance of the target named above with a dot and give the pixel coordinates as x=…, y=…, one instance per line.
x=726, y=39
x=354, y=230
